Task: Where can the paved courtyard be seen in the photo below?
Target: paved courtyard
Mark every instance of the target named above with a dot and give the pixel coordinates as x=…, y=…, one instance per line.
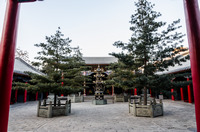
x=85, y=117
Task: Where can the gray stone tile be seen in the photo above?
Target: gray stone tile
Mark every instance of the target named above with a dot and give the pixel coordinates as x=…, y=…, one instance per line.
x=85, y=117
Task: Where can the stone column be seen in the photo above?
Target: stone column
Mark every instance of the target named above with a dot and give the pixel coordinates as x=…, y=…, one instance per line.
x=49, y=111
x=66, y=108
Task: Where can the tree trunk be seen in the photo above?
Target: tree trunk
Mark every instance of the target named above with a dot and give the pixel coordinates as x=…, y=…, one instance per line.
x=54, y=99
x=145, y=95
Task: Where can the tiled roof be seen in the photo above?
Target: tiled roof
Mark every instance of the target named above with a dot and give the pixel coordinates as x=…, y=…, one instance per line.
x=21, y=67
x=177, y=68
x=99, y=60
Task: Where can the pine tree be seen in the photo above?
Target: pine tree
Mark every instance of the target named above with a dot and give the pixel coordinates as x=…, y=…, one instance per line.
x=153, y=46
x=62, y=65
x=120, y=78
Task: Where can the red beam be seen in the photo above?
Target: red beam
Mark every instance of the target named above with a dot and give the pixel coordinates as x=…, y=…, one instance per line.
x=192, y=16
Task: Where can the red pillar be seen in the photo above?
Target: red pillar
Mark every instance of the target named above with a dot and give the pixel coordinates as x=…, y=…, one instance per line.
x=135, y=91
x=192, y=16
x=172, y=96
x=25, y=95
x=131, y=91
x=47, y=94
x=189, y=92
x=7, y=53
x=150, y=92
x=182, y=97
x=16, y=91
x=36, y=96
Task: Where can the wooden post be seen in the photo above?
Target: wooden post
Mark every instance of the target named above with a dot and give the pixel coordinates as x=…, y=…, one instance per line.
x=192, y=16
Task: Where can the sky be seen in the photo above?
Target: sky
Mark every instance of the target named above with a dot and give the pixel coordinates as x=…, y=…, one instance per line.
x=93, y=25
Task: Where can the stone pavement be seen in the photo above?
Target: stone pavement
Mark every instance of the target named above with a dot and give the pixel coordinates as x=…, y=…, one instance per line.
x=85, y=117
